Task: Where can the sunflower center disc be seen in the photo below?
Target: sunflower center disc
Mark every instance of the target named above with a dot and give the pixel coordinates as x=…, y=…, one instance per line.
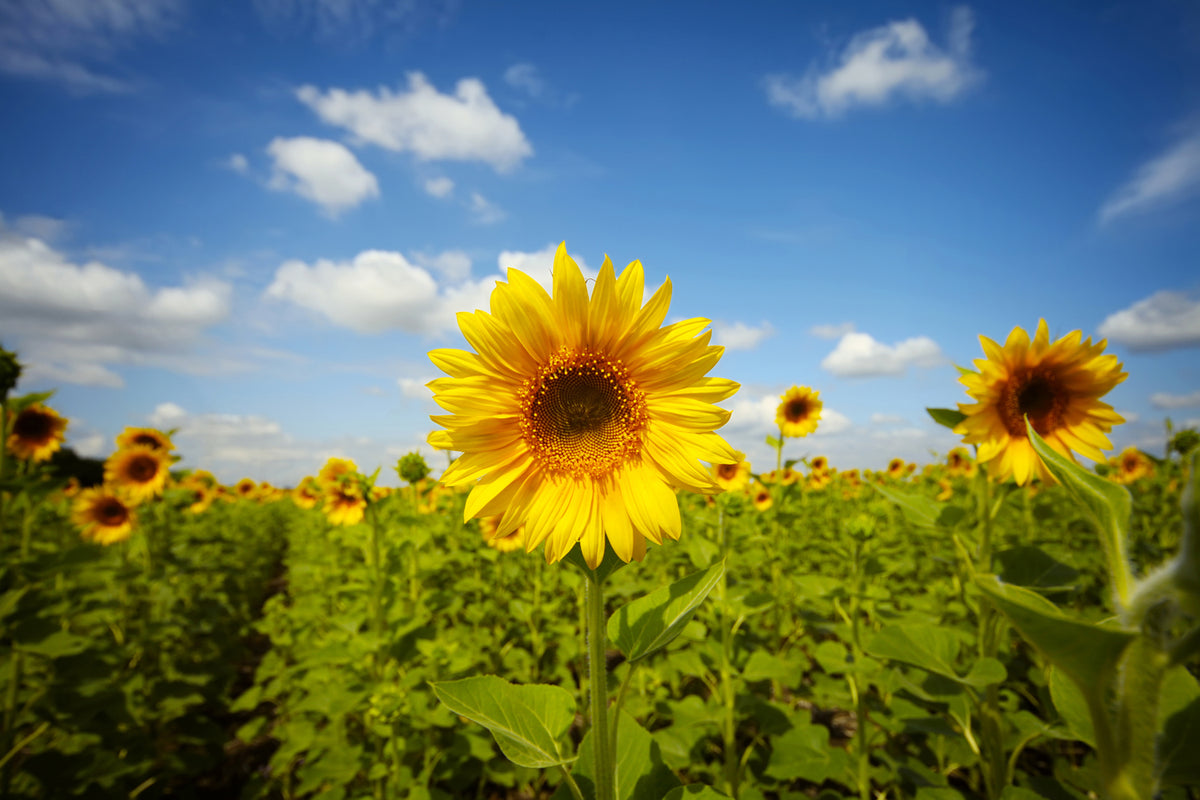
x=112, y=513
x=1036, y=395
x=797, y=410
x=727, y=471
x=143, y=468
x=582, y=415
x=32, y=426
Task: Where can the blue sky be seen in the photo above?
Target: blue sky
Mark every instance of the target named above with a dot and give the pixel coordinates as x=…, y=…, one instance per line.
x=250, y=221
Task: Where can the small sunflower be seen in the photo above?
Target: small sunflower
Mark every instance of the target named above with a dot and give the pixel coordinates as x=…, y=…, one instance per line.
x=732, y=477
x=819, y=480
x=307, y=493
x=345, y=504
x=202, y=496
x=1057, y=385
x=36, y=433
x=144, y=437
x=335, y=470
x=139, y=471
x=579, y=416
x=246, y=489
x=959, y=462
x=947, y=490
x=488, y=526
x=104, y=516
x=799, y=412
x=789, y=476
x=897, y=468
x=1132, y=465
x=818, y=464
x=761, y=497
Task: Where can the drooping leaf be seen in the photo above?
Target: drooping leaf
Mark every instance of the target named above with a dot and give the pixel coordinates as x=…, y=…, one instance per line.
x=950, y=417
x=641, y=772
x=1031, y=566
x=528, y=721
x=650, y=623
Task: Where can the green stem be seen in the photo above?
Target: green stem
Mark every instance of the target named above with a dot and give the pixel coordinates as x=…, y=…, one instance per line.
x=378, y=622
x=728, y=696
x=598, y=679
x=571, y=784
x=994, y=761
x=620, y=702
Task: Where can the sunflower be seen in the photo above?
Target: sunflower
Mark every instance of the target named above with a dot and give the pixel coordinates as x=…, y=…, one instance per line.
x=144, y=437
x=818, y=464
x=246, y=488
x=307, y=493
x=1057, y=385
x=731, y=477
x=140, y=471
x=1132, y=465
x=789, y=476
x=104, y=516
x=36, y=432
x=580, y=415
x=947, y=490
x=345, y=504
x=897, y=468
x=819, y=480
x=959, y=462
x=799, y=412
x=761, y=497
x=335, y=471
x=488, y=526
x=202, y=496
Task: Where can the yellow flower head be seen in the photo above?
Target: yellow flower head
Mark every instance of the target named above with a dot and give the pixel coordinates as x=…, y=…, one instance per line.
x=335, y=471
x=579, y=416
x=947, y=490
x=897, y=468
x=1058, y=385
x=246, y=489
x=104, y=516
x=819, y=480
x=345, y=504
x=307, y=493
x=202, y=496
x=141, y=472
x=959, y=462
x=1132, y=465
x=489, y=526
x=818, y=464
x=789, y=476
x=144, y=437
x=761, y=498
x=36, y=433
x=799, y=411
x=731, y=477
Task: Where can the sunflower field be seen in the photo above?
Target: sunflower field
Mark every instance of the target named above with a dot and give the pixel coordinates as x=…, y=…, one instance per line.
x=599, y=598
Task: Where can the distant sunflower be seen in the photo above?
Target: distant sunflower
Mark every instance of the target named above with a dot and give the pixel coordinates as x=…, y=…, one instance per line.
x=103, y=516
x=818, y=464
x=897, y=468
x=732, y=477
x=1132, y=465
x=959, y=462
x=761, y=497
x=36, y=433
x=141, y=472
x=246, y=489
x=789, y=476
x=201, y=495
x=579, y=416
x=380, y=492
x=335, y=470
x=488, y=526
x=144, y=437
x=345, y=504
x=1058, y=385
x=308, y=493
x=819, y=480
x=799, y=411
x=947, y=490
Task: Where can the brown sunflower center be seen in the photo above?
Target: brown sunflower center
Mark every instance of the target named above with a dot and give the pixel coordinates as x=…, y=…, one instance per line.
x=796, y=410
x=1037, y=394
x=582, y=415
x=110, y=512
x=32, y=425
x=148, y=440
x=142, y=468
x=727, y=472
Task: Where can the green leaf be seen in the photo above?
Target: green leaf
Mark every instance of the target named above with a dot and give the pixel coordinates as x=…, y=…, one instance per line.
x=641, y=772
x=773, y=442
x=1072, y=707
x=56, y=645
x=1027, y=565
x=803, y=752
x=1087, y=653
x=933, y=649
x=611, y=563
x=1179, y=708
x=918, y=509
x=1018, y=793
x=950, y=417
x=699, y=791
x=650, y=623
x=527, y=721
x=1105, y=503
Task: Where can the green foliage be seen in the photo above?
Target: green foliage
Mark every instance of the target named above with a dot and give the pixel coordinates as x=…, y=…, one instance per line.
x=650, y=623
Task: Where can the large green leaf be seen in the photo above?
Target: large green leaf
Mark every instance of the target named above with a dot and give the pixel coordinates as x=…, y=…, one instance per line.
x=697, y=791
x=933, y=649
x=922, y=511
x=1179, y=710
x=641, y=772
x=527, y=721
x=1107, y=504
x=1087, y=653
x=803, y=752
x=650, y=623
x=950, y=417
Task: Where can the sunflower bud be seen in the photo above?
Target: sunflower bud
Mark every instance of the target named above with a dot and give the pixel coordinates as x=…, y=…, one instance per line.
x=10, y=372
x=412, y=468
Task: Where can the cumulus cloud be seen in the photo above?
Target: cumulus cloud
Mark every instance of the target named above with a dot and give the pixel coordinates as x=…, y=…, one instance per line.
x=75, y=321
x=377, y=290
x=415, y=388
x=858, y=355
x=61, y=42
x=453, y=265
x=1170, y=176
x=1165, y=400
x=739, y=335
x=484, y=210
x=439, y=187
x=879, y=418
x=1162, y=321
x=831, y=331
x=322, y=171
x=539, y=264
x=879, y=65
x=465, y=126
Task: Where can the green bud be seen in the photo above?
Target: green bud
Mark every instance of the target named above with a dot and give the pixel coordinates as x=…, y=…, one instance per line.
x=10, y=372
x=412, y=468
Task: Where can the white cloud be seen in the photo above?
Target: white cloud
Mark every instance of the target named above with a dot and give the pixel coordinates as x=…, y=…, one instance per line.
x=878, y=65
x=439, y=187
x=1162, y=321
x=415, y=388
x=237, y=163
x=739, y=335
x=55, y=41
x=525, y=77
x=348, y=24
x=484, y=210
x=1170, y=176
x=322, y=171
x=539, y=264
x=76, y=321
x=887, y=419
x=831, y=331
x=453, y=265
x=378, y=290
x=859, y=355
x=1165, y=400
x=465, y=126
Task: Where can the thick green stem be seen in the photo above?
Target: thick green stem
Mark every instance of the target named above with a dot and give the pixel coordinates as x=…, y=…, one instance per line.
x=994, y=760
x=728, y=695
x=604, y=749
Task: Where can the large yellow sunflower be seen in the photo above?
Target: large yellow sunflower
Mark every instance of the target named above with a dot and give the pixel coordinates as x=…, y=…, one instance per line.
x=36, y=433
x=1058, y=385
x=799, y=411
x=104, y=516
x=147, y=437
x=580, y=416
x=141, y=472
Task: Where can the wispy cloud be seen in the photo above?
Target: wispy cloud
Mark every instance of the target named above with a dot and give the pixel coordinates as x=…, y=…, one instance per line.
x=739, y=335
x=1163, y=321
x=1165, y=400
x=1170, y=176
x=896, y=60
